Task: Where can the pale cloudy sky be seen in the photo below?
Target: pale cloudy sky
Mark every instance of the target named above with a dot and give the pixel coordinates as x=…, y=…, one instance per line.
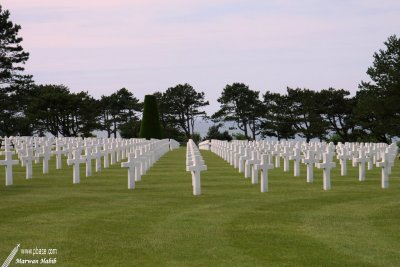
x=150, y=45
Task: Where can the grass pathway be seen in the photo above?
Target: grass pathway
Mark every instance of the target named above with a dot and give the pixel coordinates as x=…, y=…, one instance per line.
x=101, y=223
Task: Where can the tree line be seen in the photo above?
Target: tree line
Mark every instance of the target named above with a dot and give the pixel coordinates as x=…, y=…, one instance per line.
x=372, y=114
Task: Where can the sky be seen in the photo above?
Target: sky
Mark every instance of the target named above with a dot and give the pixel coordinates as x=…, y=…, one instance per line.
x=151, y=45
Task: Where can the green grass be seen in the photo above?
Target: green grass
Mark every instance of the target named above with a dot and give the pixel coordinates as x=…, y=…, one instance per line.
x=160, y=223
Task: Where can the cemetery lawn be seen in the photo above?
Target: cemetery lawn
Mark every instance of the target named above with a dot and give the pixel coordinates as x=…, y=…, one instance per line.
x=160, y=223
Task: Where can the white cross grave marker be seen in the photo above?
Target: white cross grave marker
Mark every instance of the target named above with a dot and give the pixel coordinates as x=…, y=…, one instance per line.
x=385, y=165
x=59, y=152
x=361, y=160
x=296, y=157
x=97, y=155
x=264, y=166
x=310, y=160
x=243, y=159
x=46, y=154
x=286, y=154
x=105, y=153
x=9, y=162
x=133, y=164
x=249, y=162
x=343, y=157
x=327, y=166
x=76, y=161
x=195, y=169
x=28, y=159
x=89, y=157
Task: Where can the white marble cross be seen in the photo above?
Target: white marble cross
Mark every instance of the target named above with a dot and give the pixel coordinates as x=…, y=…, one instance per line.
x=327, y=165
x=143, y=160
x=89, y=157
x=385, y=164
x=59, y=152
x=69, y=149
x=343, y=157
x=361, y=160
x=243, y=159
x=285, y=155
x=133, y=164
x=118, y=150
x=123, y=150
x=249, y=162
x=9, y=162
x=28, y=159
x=46, y=154
x=276, y=152
x=36, y=151
x=105, y=153
x=138, y=171
x=370, y=153
x=195, y=169
x=254, y=169
x=113, y=150
x=264, y=166
x=76, y=161
x=296, y=157
x=239, y=153
x=97, y=155
x=148, y=156
x=310, y=160
x=6, y=144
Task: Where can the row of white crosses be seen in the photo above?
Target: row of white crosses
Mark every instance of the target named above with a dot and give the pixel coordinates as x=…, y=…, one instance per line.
x=250, y=157
x=138, y=162
x=194, y=164
x=382, y=155
x=31, y=149
x=247, y=159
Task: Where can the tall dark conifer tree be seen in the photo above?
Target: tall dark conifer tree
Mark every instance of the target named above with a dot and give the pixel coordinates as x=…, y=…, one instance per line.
x=151, y=126
x=14, y=85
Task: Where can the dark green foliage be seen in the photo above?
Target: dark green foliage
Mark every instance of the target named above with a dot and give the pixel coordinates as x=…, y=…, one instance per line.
x=169, y=128
x=174, y=133
x=14, y=84
x=378, y=109
x=56, y=110
x=180, y=107
x=130, y=129
x=119, y=113
x=277, y=121
x=242, y=106
x=305, y=111
x=214, y=133
x=338, y=111
x=150, y=127
x=239, y=136
x=373, y=115
x=196, y=137
x=12, y=55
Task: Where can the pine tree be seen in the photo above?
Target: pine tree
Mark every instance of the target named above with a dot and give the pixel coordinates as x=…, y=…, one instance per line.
x=14, y=85
x=12, y=55
x=378, y=110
